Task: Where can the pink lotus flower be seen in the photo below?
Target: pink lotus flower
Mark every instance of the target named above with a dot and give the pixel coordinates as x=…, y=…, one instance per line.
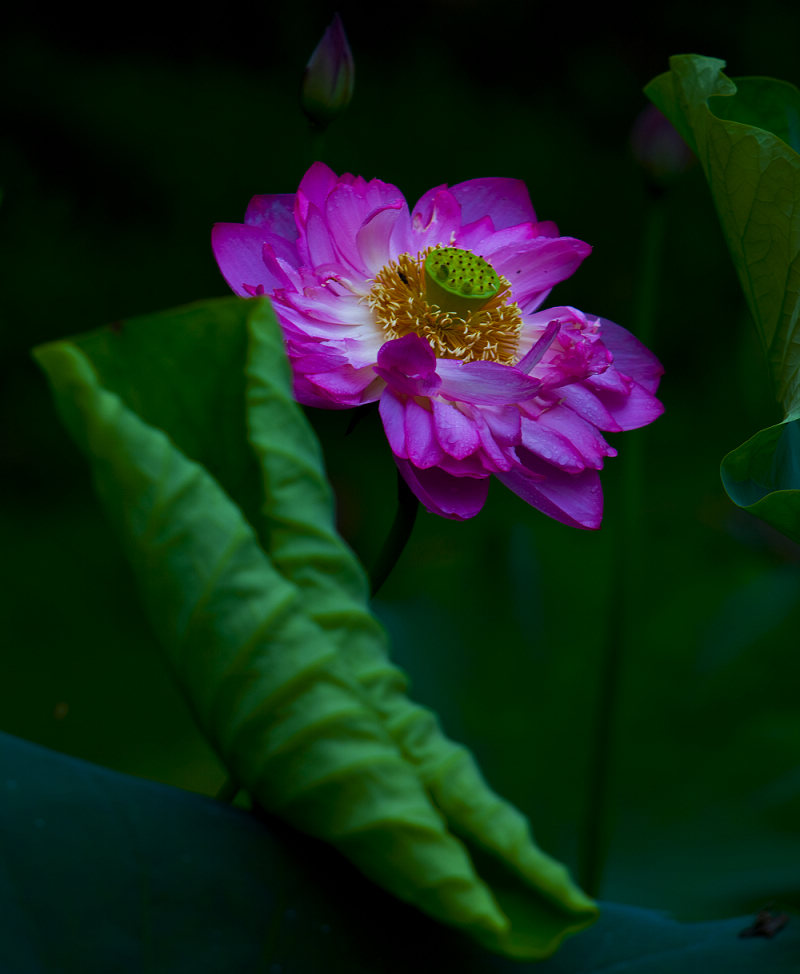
x=436, y=314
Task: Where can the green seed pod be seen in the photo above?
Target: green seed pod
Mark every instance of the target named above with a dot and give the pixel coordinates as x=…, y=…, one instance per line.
x=459, y=281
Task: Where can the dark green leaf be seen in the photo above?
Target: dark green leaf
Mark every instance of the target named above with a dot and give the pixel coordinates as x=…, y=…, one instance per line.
x=747, y=136
x=763, y=476
x=104, y=872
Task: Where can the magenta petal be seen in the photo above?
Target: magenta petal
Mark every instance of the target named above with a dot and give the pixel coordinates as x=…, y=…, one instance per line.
x=346, y=385
x=630, y=356
x=373, y=239
x=505, y=200
x=528, y=362
x=489, y=383
x=546, y=228
x=320, y=247
x=314, y=188
x=282, y=271
x=551, y=446
x=572, y=499
x=513, y=239
x=238, y=250
x=408, y=365
x=323, y=360
x=537, y=266
x=473, y=466
x=275, y=212
x=631, y=411
x=348, y=208
x=456, y=433
x=584, y=436
x=421, y=445
x=580, y=398
x=493, y=456
x=393, y=417
x=436, y=218
x=410, y=354
x=474, y=235
x=458, y=498
x=308, y=394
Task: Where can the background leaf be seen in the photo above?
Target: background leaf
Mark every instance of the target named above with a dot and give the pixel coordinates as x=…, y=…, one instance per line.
x=763, y=476
x=754, y=178
x=143, y=877
x=747, y=136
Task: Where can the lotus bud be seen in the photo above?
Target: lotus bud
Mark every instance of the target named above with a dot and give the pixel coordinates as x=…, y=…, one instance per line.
x=329, y=77
x=659, y=148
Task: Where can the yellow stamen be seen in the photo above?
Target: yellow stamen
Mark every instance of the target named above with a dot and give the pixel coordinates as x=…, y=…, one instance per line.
x=401, y=307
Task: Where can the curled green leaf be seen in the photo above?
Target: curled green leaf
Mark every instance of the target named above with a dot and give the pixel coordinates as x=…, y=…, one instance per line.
x=308, y=551
x=215, y=484
x=746, y=134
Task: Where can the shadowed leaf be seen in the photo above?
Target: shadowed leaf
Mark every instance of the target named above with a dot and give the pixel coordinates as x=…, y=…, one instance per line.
x=746, y=134
x=144, y=877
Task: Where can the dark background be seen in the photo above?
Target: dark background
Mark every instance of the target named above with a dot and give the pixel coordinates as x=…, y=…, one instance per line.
x=123, y=141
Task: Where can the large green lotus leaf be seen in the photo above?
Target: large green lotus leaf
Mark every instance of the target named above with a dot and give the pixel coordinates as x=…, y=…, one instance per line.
x=747, y=136
x=309, y=723
x=103, y=872
x=307, y=550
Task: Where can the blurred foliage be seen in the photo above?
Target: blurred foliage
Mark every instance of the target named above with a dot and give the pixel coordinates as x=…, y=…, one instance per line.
x=119, y=152
x=264, y=899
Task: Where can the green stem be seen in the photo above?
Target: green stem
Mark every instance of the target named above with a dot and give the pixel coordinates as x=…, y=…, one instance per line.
x=626, y=588
x=316, y=143
x=407, y=507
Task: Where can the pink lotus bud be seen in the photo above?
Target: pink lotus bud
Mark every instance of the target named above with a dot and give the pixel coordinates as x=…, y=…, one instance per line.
x=329, y=77
x=659, y=148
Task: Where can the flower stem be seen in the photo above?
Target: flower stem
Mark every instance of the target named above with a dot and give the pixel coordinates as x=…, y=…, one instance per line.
x=397, y=539
x=625, y=591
